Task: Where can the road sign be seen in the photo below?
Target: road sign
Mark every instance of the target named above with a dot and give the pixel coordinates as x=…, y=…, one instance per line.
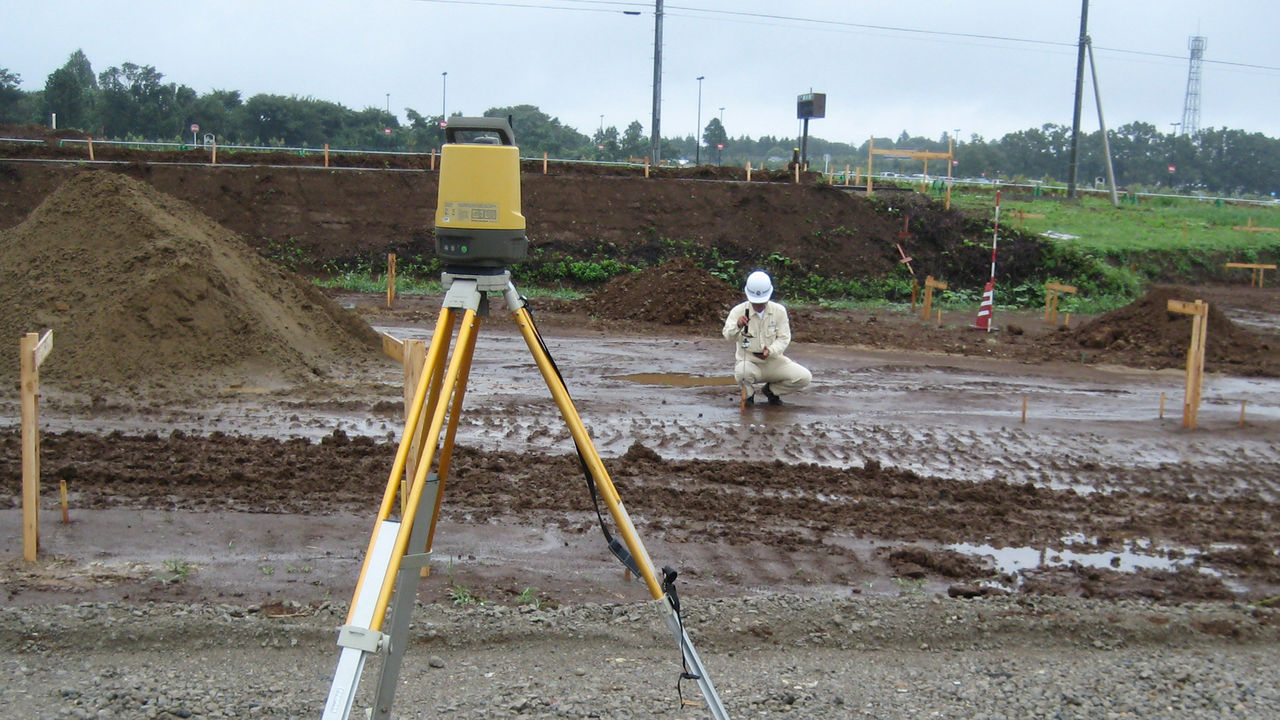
x=195, y=128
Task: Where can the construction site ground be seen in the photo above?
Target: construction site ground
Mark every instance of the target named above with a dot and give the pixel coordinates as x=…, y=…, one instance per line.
x=946, y=523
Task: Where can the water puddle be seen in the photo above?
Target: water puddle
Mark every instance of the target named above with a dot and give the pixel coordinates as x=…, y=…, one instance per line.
x=1136, y=555
x=673, y=379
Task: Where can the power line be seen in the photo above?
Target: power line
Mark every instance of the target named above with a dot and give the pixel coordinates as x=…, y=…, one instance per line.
x=612, y=6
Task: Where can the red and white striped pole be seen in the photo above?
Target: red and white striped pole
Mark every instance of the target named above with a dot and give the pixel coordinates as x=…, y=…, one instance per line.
x=987, y=308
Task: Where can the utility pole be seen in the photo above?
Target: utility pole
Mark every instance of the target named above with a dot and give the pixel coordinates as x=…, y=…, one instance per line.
x=697, y=136
x=1075, y=121
x=656, y=151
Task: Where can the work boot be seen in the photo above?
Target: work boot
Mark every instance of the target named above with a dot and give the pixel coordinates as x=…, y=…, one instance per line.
x=773, y=399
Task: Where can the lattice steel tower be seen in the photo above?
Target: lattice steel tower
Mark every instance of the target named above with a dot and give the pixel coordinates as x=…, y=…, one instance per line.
x=1191, y=106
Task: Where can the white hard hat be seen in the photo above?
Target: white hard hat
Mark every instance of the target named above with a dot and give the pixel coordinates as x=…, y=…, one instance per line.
x=759, y=288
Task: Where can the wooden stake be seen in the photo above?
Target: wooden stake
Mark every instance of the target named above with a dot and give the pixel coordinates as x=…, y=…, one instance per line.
x=391, y=280
x=214, y=157
x=1161, y=406
x=326, y=154
x=846, y=176
x=1199, y=312
x=926, y=310
x=871, y=150
x=797, y=173
x=1243, y=403
x=33, y=350
x=433, y=159
x=544, y=162
x=646, y=170
x=1066, y=321
x=62, y=490
x=415, y=357
x=1024, y=409
x=91, y=148
x=939, y=317
x=748, y=171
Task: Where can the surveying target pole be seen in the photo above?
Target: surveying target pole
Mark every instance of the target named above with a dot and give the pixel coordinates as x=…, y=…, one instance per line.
x=400, y=547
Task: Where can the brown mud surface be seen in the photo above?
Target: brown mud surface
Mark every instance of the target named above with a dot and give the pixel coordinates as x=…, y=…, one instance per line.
x=242, y=454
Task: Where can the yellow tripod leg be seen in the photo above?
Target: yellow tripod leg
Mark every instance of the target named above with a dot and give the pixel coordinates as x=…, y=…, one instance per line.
x=580, y=436
x=435, y=354
x=446, y=448
x=456, y=363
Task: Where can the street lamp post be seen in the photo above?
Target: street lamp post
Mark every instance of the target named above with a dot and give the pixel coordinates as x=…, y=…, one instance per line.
x=697, y=141
x=444, y=89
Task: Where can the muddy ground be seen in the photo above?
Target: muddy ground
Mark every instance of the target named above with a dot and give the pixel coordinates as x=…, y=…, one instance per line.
x=896, y=472
x=207, y=409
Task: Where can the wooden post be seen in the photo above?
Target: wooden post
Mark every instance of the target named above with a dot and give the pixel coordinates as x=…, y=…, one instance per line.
x=846, y=175
x=1051, y=290
x=1257, y=270
x=1161, y=406
x=391, y=280
x=1199, y=312
x=33, y=350
x=748, y=171
x=871, y=151
x=1066, y=321
x=415, y=358
x=544, y=162
x=213, y=160
x=929, y=286
x=646, y=169
x=797, y=173
x=939, y=317
x=66, y=518
x=1024, y=409
x=433, y=159
x=90, y=148
x=326, y=154
x=915, y=293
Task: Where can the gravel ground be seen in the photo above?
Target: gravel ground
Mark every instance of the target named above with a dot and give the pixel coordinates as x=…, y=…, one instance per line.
x=910, y=656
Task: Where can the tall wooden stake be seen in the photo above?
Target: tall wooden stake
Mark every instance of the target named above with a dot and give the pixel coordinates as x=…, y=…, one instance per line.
x=391, y=280
x=33, y=349
x=1199, y=312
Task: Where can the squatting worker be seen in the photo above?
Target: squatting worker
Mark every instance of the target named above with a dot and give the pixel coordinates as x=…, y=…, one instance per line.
x=761, y=332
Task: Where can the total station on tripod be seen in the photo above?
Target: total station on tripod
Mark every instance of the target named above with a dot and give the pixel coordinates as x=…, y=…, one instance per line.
x=479, y=227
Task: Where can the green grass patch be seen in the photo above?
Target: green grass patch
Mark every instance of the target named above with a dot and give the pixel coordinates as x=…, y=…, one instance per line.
x=1160, y=224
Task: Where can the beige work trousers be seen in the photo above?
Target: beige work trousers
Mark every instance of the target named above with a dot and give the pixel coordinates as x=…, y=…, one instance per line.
x=783, y=374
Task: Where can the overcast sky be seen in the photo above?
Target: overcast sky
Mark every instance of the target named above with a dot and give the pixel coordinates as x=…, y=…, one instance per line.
x=983, y=67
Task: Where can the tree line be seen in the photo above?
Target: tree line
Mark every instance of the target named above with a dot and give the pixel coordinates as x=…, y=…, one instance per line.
x=133, y=102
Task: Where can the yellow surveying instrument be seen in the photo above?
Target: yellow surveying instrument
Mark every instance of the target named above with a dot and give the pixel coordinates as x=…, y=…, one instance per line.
x=479, y=232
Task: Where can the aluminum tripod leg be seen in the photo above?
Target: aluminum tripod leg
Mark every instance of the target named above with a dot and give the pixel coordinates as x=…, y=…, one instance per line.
x=691, y=658
x=403, y=603
x=356, y=640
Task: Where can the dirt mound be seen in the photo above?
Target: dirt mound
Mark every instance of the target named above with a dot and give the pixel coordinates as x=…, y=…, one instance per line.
x=142, y=289
x=677, y=292
x=1164, y=337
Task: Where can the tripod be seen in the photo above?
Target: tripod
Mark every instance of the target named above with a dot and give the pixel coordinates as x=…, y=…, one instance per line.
x=400, y=547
